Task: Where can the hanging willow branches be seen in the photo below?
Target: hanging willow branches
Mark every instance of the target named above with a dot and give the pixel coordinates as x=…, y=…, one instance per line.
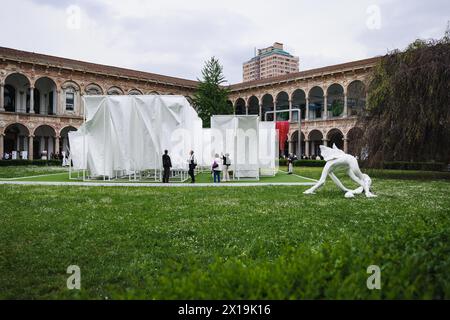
x=408, y=113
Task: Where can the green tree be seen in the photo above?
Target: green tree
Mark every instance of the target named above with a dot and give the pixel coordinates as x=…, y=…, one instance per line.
x=212, y=96
x=408, y=112
x=337, y=107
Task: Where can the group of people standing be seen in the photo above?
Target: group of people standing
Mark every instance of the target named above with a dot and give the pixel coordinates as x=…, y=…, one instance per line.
x=167, y=165
x=220, y=165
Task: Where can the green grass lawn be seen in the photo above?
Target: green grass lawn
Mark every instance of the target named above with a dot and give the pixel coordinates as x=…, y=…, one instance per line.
x=58, y=174
x=231, y=243
x=28, y=171
x=281, y=176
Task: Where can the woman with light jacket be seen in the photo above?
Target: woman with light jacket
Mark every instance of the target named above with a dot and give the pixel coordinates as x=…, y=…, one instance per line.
x=216, y=168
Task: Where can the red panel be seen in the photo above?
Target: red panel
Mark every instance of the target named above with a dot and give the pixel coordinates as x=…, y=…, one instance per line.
x=283, y=130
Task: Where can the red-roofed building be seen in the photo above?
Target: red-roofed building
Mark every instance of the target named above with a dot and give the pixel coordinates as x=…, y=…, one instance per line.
x=40, y=99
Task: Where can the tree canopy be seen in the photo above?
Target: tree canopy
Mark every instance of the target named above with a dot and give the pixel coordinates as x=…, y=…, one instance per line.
x=408, y=111
x=211, y=96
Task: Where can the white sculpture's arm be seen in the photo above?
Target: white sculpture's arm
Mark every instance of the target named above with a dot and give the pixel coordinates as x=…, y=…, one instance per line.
x=357, y=176
x=326, y=170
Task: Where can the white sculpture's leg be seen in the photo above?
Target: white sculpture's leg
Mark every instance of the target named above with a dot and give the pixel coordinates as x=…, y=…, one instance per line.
x=338, y=182
x=353, y=176
x=357, y=176
x=322, y=179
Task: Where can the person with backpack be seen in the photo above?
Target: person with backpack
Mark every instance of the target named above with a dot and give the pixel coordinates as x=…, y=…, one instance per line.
x=226, y=166
x=216, y=168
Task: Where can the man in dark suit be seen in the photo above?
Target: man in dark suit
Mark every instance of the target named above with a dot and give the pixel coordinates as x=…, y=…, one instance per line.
x=167, y=164
x=192, y=165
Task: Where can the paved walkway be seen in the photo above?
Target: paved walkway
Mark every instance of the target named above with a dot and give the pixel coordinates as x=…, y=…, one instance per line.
x=131, y=184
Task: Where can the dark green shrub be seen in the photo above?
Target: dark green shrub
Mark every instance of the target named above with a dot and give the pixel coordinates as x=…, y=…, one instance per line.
x=421, y=166
x=14, y=163
x=304, y=163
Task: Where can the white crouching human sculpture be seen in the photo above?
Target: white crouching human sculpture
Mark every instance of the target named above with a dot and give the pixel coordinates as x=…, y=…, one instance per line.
x=337, y=158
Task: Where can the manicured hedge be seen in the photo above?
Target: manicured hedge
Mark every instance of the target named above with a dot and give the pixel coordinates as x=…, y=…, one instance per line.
x=304, y=163
x=13, y=163
x=394, y=165
x=407, y=174
x=421, y=166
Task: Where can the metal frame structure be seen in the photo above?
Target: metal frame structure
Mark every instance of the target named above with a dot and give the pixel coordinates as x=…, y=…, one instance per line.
x=299, y=149
x=154, y=175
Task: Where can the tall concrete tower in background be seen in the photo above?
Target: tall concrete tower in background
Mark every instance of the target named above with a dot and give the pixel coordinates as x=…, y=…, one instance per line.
x=270, y=62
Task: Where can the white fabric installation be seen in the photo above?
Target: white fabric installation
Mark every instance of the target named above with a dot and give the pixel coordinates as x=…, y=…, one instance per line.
x=268, y=148
x=125, y=134
x=251, y=144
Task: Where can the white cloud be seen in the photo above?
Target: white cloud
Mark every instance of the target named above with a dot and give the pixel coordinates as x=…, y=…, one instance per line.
x=175, y=37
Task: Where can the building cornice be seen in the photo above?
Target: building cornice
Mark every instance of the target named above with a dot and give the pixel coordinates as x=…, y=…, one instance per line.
x=59, y=64
x=47, y=62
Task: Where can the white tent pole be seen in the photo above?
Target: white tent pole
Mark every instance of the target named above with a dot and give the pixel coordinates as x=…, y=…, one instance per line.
x=257, y=145
x=299, y=152
x=235, y=150
x=104, y=143
x=84, y=140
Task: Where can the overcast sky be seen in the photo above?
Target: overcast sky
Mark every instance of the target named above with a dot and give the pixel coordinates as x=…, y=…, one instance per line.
x=175, y=37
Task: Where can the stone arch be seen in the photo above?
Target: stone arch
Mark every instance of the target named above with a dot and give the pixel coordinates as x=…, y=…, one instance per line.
x=315, y=134
x=114, y=91
x=356, y=97
x=239, y=107
x=45, y=126
x=44, y=141
x=154, y=93
x=135, y=92
x=294, y=147
x=12, y=123
x=298, y=99
x=23, y=74
x=93, y=89
x=335, y=100
x=16, y=137
x=282, y=103
x=316, y=102
x=45, y=96
x=65, y=130
x=335, y=136
x=315, y=139
x=267, y=105
x=253, y=105
x=17, y=92
x=71, y=84
x=64, y=138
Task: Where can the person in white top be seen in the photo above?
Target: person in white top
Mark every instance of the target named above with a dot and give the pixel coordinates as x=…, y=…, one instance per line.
x=192, y=164
x=216, y=167
x=64, y=161
x=226, y=166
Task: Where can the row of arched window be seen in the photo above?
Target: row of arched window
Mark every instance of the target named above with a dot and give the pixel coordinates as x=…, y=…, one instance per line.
x=19, y=96
x=339, y=102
